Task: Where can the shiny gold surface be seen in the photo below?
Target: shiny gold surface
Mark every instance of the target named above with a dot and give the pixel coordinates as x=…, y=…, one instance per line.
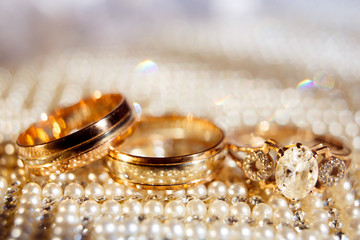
x=169, y=152
x=73, y=136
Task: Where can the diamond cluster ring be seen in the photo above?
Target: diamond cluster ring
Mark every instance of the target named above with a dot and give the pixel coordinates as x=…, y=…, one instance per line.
x=294, y=169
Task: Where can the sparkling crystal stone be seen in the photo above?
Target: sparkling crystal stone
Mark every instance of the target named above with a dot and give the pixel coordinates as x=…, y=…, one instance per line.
x=296, y=172
x=258, y=166
x=331, y=171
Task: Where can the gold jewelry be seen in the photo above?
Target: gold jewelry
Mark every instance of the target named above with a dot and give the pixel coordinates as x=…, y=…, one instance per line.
x=293, y=169
x=169, y=152
x=73, y=136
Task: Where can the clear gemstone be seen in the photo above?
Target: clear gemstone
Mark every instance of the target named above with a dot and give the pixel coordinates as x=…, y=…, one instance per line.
x=296, y=172
x=331, y=171
x=258, y=166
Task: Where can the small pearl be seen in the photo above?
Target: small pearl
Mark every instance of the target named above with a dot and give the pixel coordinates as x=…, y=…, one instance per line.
x=196, y=207
x=263, y=233
x=52, y=190
x=111, y=207
x=153, y=208
x=175, y=209
x=173, y=229
x=217, y=189
x=319, y=214
x=286, y=234
x=31, y=199
x=241, y=231
x=67, y=218
x=282, y=215
x=277, y=201
x=307, y=235
x=320, y=227
x=106, y=227
x=177, y=193
x=69, y=206
x=237, y=190
x=195, y=230
x=219, y=231
x=197, y=191
x=131, y=226
x=219, y=209
x=133, y=192
x=352, y=211
x=132, y=208
x=152, y=228
x=90, y=208
x=312, y=201
x=3, y=183
x=240, y=210
x=31, y=187
x=74, y=190
x=262, y=211
x=114, y=190
x=94, y=190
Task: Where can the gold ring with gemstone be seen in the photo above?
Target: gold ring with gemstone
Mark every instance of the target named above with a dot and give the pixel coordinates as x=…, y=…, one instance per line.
x=73, y=136
x=168, y=152
x=286, y=164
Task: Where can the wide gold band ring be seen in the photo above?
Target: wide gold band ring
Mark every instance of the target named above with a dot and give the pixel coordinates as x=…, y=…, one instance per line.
x=169, y=152
x=279, y=158
x=73, y=136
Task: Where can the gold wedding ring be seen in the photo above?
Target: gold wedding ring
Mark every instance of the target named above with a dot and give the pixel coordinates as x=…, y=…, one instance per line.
x=286, y=164
x=169, y=152
x=73, y=136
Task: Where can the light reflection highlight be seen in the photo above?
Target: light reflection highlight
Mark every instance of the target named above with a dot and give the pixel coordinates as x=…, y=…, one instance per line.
x=223, y=100
x=305, y=84
x=147, y=66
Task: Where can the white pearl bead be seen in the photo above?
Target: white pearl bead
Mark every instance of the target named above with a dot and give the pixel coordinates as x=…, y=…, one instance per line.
x=320, y=227
x=133, y=192
x=241, y=231
x=217, y=189
x=352, y=211
x=3, y=183
x=173, y=229
x=178, y=193
x=175, y=209
x=319, y=215
x=263, y=233
x=312, y=201
x=69, y=206
x=31, y=200
x=277, y=201
x=111, y=207
x=89, y=208
x=262, y=211
x=195, y=230
x=219, y=231
x=32, y=187
x=237, y=190
x=286, y=234
x=282, y=215
x=52, y=190
x=67, y=218
x=307, y=235
x=219, y=209
x=74, y=190
x=153, y=208
x=114, y=190
x=106, y=227
x=131, y=226
x=151, y=227
x=94, y=190
x=197, y=191
x=132, y=208
x=240, y=210
x=196, y=207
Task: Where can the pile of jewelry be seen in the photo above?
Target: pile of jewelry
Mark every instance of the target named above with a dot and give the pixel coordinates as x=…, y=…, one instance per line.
x=189, y=183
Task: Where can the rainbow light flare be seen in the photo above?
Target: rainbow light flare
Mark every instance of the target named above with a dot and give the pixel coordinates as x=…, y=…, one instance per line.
x=222, y=100
x=146, y=66
x=305, y=84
